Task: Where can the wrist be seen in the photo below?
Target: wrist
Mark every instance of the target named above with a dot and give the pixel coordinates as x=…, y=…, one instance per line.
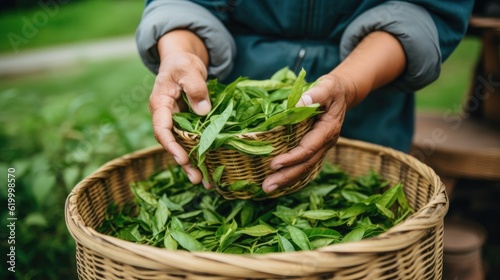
x=376, y=61
x=346, y=83
x=182, y=41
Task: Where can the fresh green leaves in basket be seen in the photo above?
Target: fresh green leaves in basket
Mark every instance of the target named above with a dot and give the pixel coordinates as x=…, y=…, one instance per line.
x=246, y=106
x=170, y=212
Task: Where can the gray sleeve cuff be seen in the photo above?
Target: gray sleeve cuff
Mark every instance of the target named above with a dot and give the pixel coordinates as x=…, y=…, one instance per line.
x=413, y=26
x=160, y=17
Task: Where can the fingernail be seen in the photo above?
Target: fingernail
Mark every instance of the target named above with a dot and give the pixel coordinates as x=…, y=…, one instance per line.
x=277, y=167
x=271, y=188
x=203, y=107
x=306, y=100
x=176, y=159
x=206, y=184
x=190, y=177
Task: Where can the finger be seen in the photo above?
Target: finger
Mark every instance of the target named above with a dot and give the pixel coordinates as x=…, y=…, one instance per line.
x=162, y=126
x=321, y=93
x=162, y=122
x=193, y=173
x=193, y=83
x=325, y=131
x=207, y=185
x=323, y=136
x=290, y=175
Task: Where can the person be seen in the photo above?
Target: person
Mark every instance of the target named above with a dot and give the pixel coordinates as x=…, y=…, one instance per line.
x=368, y=56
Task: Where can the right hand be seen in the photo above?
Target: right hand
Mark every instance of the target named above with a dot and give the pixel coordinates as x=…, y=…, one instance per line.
x=179, y=72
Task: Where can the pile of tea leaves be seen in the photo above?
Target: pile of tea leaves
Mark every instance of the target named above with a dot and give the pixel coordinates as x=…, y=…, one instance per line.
x=168, y=211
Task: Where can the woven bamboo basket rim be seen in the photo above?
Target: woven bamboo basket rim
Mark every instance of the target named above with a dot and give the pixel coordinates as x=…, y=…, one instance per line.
x=321, y=260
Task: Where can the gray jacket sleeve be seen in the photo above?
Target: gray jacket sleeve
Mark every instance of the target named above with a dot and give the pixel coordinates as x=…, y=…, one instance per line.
x=162, y=16
x=413, y=26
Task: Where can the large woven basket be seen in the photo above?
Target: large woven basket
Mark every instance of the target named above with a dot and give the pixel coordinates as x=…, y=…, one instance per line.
x=243, y=167
x=412, y=249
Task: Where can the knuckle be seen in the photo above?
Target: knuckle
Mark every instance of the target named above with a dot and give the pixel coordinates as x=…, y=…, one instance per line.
x=157, y=133
x=194, y=87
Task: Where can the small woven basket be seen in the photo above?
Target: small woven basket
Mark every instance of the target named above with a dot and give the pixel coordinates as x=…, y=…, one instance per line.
x=412, y=249
x=242, y=167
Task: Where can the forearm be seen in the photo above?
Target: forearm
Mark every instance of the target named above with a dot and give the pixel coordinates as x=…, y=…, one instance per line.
x=182, y=41
x=377, y=60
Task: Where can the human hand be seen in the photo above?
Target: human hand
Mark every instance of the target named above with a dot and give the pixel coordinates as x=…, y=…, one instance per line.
x=345, y=86
x=179, y=72
x=332, y=93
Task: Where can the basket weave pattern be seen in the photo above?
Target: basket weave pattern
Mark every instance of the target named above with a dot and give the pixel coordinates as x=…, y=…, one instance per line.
x=239, y=166
x=412, y=249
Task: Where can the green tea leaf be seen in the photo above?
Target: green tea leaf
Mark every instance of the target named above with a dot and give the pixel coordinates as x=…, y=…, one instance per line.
x=211, y=216
x=247, y=213
x=239, y=185
x=189, y=214
x=176, y=224
x=236, y=250
x=389, y=197
x=182, y=198
x=286, y=214
x=237, y=206
x=161, y=214
x=402, y=201
x=319, y=214
x=354, y=235
x=386, y=212
x=223, y=98
x=218, y=174
x=284, y=244
x=313, y=233
x=183, y=123
x=355, y=210
x=201, y=233
x=186, y=241
x=211, y=131
x=144, y=197
x=172, y=206
x=266, y=250
x=257, y=230
x=290, y=116
x=169, y=242
x=321, y=242
x=284, y=75
x=250, y=147
x=299, y=238
x=253, y=91
x=130, y=233
x=268, y=85
x=296, y=92
x=229, y=235
x=353, y=196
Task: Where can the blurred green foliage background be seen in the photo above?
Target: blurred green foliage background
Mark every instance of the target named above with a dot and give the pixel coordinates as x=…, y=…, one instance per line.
x=58, y=126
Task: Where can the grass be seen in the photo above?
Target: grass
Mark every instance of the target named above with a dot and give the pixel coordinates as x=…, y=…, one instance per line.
x=67, y=23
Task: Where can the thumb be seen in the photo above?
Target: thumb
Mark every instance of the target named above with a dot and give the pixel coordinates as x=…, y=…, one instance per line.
x=305, y=100
x=196, y=90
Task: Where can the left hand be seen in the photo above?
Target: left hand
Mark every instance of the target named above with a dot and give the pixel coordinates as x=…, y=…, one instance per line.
x=333, y=94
